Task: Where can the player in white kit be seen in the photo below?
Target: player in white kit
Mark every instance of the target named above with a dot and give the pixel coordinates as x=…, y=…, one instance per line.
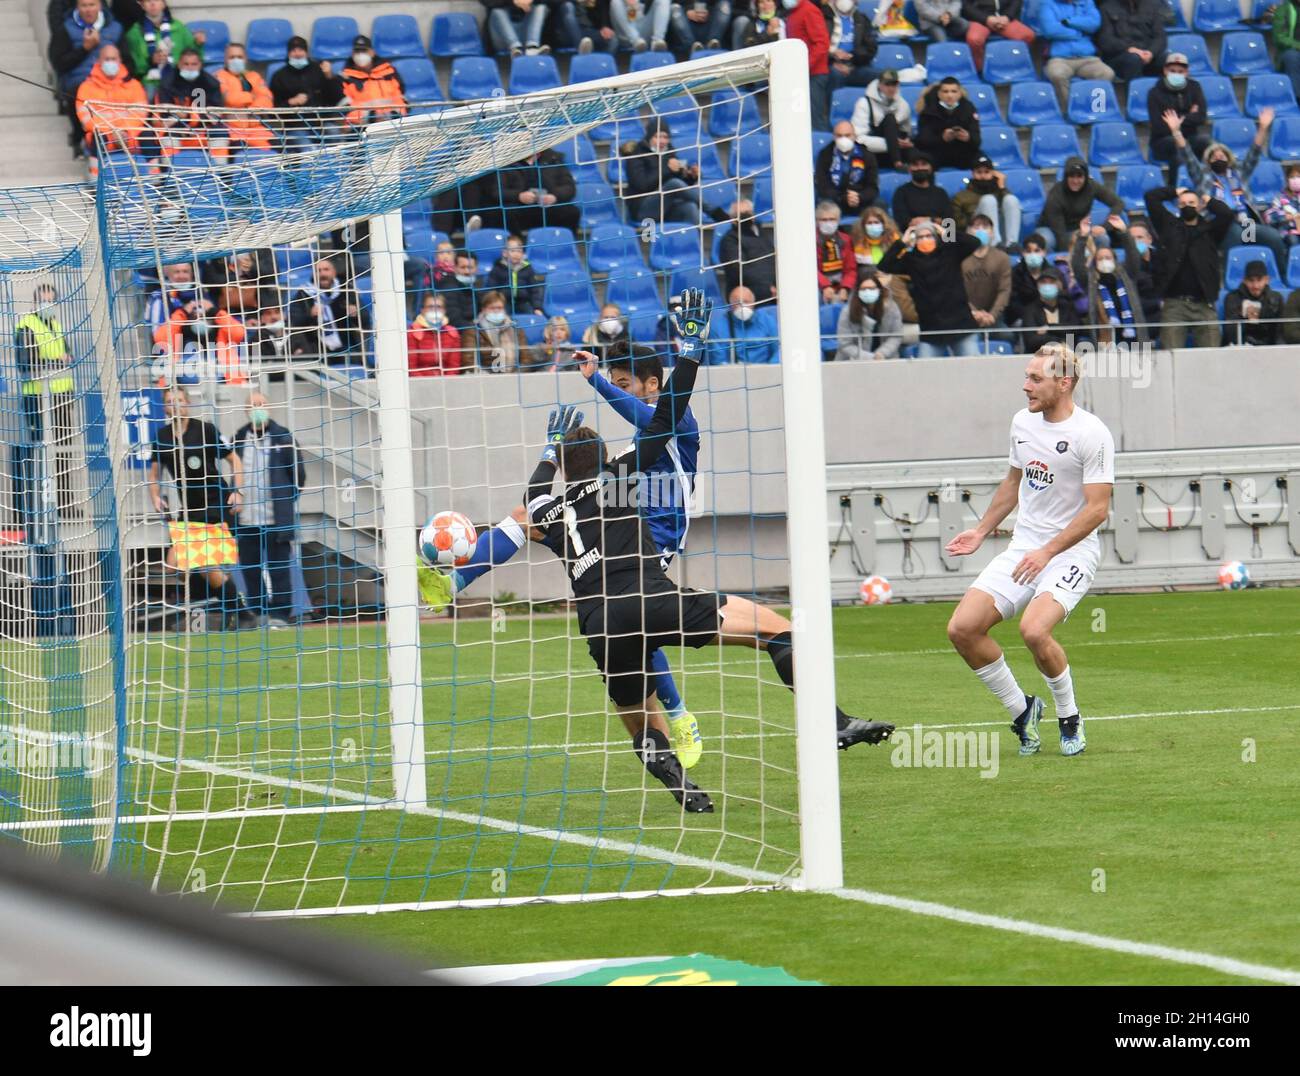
x=1062, y=470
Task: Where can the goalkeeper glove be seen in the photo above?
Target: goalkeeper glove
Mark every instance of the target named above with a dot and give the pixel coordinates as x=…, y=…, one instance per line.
x=691, y=321
x=563, y=419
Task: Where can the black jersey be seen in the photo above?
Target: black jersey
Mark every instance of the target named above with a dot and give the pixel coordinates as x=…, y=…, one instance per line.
x=195, y=465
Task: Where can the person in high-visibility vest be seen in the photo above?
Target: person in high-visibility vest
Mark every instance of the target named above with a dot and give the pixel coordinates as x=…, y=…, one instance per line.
x=44, y=366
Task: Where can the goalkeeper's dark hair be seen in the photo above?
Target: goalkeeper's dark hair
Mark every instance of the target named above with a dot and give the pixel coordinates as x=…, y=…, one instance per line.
x=582, y=454
x=642, y=363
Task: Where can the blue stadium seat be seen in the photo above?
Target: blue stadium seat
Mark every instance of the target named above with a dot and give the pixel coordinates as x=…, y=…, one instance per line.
x=271, y=69
x=551, y=249
x=598, y=204
x=1100, y=212
x=675, y=247
x=989, y=346
x=821, y=139
x=267, y=39
x=533, y=326
x=1220, y=98
x=1284, y=139
x=1002, y=146
x=1217, y=16
x=217, y=37
x=1237, y=134
x=486, y=244
x=1244, y=54
x=1032, y=103
x=456, y=34
x=1261, y=11
x=421, y=241
x=953, y=180
x=569, y=294
x=419, y=79
x=473, y=77
x=294, y=265
x=1238, y=257
x=889, y=183
x=581, y=157
x=1008, y=62
x=591, y=66
x=733, y=113
x=985, y=100
x=1267, y=180
x=1027, y=185
x=751, y=154
x=682, y=115
x=950, y=58
x=1051, y=144
x=1092, y=101
x=911, y=93
x=1193, y=47
x=1132, y=181
x=332, y=37
x=1114, y=144
x=397, y=37
x=1179, y=21
x=761, y=196
x=532, y=74
x=612, y=247
x=1293, y=268
x=648, y=61
x=1138, y=90
x=1269, y=91
x=635, y=291
x=891, y=54
x=828, y=317
x=843, y=101
x=706, y=279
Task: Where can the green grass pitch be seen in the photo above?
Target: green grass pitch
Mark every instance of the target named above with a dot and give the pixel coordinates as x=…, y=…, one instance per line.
x=1177, y=827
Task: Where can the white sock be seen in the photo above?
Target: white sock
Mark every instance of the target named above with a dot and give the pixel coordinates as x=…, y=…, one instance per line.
x=1063, y=692
x=1000, y=680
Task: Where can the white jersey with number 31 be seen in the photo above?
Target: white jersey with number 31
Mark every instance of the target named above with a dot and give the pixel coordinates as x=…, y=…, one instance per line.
x=1057, y=460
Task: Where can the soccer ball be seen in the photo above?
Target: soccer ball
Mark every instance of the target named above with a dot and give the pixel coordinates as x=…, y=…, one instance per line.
x=876, y=590
x=1234, y=576
x=448, y=539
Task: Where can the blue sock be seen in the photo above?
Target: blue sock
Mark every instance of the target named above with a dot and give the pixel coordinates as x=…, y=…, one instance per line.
x=495, y=547
x=665, y=687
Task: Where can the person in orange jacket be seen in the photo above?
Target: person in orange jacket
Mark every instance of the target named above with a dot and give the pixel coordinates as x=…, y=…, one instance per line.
x=433, y=345
x=118, y=117
x=373, y=87
x=242, y=88
x=201, y=327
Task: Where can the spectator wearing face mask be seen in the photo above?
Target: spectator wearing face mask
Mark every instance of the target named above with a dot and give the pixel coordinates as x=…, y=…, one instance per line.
x=1187, y=272
x=872, y=234
x=202, y=329
x=934, y=268
x=1252, y=309
x=882, y=121
x=154, y=42
x=804, y=21
x=1182, y=96
x=1113, y=298
x=1024, y=278
x=513, y=275
x=606, y=331
x=987, y=276
x=921, y=196
x=941, y=19
x=757, y=26
x=748, y=254
x=244, y=89
x=1050, y=317
x=870, y=324
x=1283, y=213
x=853, y=44
x=268, y=335
x=109, y=107
x=459, y=290
x=661, y=186
x=432, y=343
x=993, y=18
x=987, y=194
x=74, y=46
x=837, y=268
x=495, y=342
x=743, y=332
x=373, y=87
x=303, y=83
x=1139, y=246
x=948, y=127
x=190, y=94
x=845, y=172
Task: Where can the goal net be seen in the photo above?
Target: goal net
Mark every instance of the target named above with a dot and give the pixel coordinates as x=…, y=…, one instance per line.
x=288, y=313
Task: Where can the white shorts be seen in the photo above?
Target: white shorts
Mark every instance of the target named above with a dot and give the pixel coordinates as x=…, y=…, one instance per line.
x=1066, y=578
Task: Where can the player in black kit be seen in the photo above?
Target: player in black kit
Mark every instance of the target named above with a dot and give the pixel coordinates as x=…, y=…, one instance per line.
x=627, y=605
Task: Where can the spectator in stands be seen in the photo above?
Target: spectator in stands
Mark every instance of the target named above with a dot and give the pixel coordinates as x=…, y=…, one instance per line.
x=947, y=126
x=804, y=21
x=494, y=342
x=1286, y=42
x=1283, y=212
x=109, y=84
x=1070, y=201
x=176, y=289
x=239, y=279
x=516, y=26
x=304, y=83
x=987, y=194
x=1187, y=273
x=934, y=268
x=743, y=331
x=700, y=24
x=332, y=321
x=203, y=329
x=1254, y=307
x=921, y=197
x=591, y=19
x=273, y=476
x=1132, y=37
x=837, y=268
x=514, y=277
x=870, y=324
x=987, y=275
x=1024, y=278
x=1139, y=264
x=993, y=18
x=761, y=24
x=567, y=29
x=1050, y=317
x=853, y=44
x=873, y=233
x=558, y=347
x=269, y=338
x=74, y=47
x=882, y=121
x=1176, y=93
x=845, y=172
x=458, y=291
x=748, y=254
x=154, y=41
x=242, y=88
x=1068, y=26
x=190, y=93
x=432, y=342
x=660, y=185
x=606, y=331
x=1291, y=318
x=941, y=19
x=372, y=85
x=540, y=191
x=1113, y=298
x=634, y=21
x=1219, y=175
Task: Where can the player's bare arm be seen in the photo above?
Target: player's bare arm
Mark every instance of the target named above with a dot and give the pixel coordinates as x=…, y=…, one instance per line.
x=1005, y=498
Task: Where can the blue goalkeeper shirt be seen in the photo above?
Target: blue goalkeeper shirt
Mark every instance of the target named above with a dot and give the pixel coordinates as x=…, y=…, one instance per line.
x=669, y=487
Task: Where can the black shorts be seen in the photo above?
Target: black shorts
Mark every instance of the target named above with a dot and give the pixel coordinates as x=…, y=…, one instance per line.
x=624, y=631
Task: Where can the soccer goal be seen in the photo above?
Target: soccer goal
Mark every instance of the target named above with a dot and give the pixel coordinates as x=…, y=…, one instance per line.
x=325, y=742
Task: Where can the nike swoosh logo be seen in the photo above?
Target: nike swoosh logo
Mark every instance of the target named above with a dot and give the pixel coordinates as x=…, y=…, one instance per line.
x=1022, y=442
